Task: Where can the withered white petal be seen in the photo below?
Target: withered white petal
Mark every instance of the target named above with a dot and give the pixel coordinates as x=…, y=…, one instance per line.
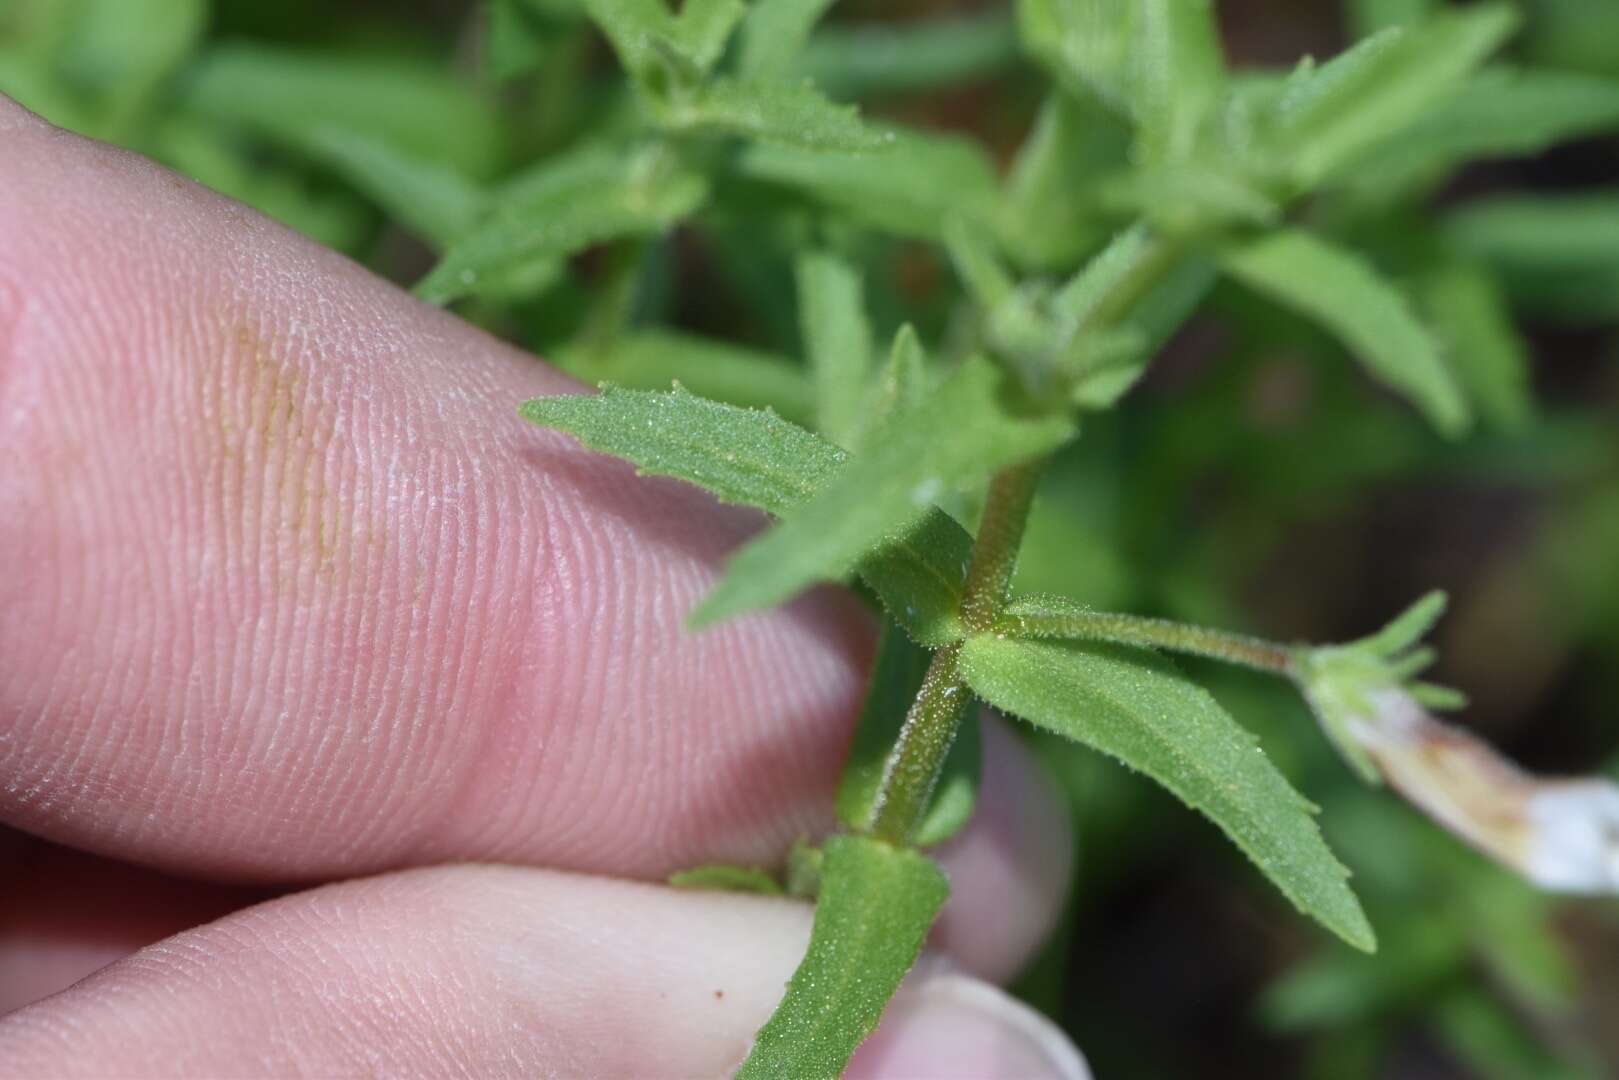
x=1561, y=834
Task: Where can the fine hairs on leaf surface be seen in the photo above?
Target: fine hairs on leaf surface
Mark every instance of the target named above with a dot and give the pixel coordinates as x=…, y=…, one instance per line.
x=961, y=432
x=1134, y=706
x=775, y=466
x=875, y=906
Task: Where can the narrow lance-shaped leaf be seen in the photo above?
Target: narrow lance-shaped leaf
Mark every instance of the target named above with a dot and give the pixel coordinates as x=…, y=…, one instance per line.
x=901, y=384
x=1367, y=17
x=875, y=908
x=1102, y=366
x=648, y=37
x=514, y=43
x=868, y=60
x=792, y=114
x=774, y=32
x=837, y=339
x=1344, y=293
x=434, y=201
x=646, y=194
x=896, y=677
x=723, y=877
x=632, y=26
x=954, y=439
x=288, y=95
x=123, y=50
x=912, y=187
x=1134, y=706
x=1050, y=214
x=1332, y=115
x=1086, y=42
x=1483, y=344
x=720, y=370
x=775, y=466
x=1499, y=112
x=1556, y=255
x=1177, y=77
x=704, y=26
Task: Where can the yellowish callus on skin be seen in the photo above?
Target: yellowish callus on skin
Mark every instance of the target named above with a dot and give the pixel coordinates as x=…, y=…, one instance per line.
x=272, y=450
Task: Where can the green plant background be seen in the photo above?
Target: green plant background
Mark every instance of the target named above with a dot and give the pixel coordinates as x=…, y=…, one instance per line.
x=1255, y=480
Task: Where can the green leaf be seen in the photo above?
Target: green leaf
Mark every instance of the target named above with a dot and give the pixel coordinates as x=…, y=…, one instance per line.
x=1331, y=115
x=434, y=201
x=1340, y=682
x=1189, y=199
x=653, y=359
x=1340, y=290
x=722, y=877
x=746, y=456
x=644, y=194
x=288, y=95
x=1155, y=61
x=1135, y=706
x=791, y=114
x=1482, y=343
x=881, y=59
x=911, y=188
x=514, y=45
x=896, y=677
x=875, y=908
x=1367, y=17
x=978, y=265
x=953, y=440
x=632, y=27
x=837, y=340
x=1557, y=255
x=1177, y=78
x=1051, y=213
x=773, y=34
x=121, y=51
x=1500, y=112
x=901, y=384
x=650, y=40
x=1102, y=366
x=1086, y=42
x=704, y=26
x=775, y=466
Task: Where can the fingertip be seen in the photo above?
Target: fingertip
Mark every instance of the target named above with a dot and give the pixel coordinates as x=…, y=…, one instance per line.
x=952, y=1027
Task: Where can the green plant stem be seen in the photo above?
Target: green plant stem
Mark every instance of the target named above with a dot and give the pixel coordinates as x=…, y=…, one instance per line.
x=1112, y=307
x=1122, y=629
x=1000, y=533
x=914, y=765
x=944, y=701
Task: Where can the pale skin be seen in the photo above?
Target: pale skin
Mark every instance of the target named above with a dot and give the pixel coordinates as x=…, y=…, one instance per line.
x=293, y=604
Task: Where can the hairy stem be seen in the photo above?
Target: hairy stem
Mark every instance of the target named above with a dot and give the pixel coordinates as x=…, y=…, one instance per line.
x=1000, y=533
x=1081, y=625
x=1114, y=305
x=914, y=765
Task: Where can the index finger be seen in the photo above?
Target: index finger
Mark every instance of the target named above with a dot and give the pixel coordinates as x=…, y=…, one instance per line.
x=290, y=590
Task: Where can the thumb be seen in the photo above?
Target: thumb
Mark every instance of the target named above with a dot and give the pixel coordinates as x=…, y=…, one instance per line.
x=484, y=970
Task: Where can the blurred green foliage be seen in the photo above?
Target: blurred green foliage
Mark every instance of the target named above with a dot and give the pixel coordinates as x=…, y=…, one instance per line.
x=679, y=225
